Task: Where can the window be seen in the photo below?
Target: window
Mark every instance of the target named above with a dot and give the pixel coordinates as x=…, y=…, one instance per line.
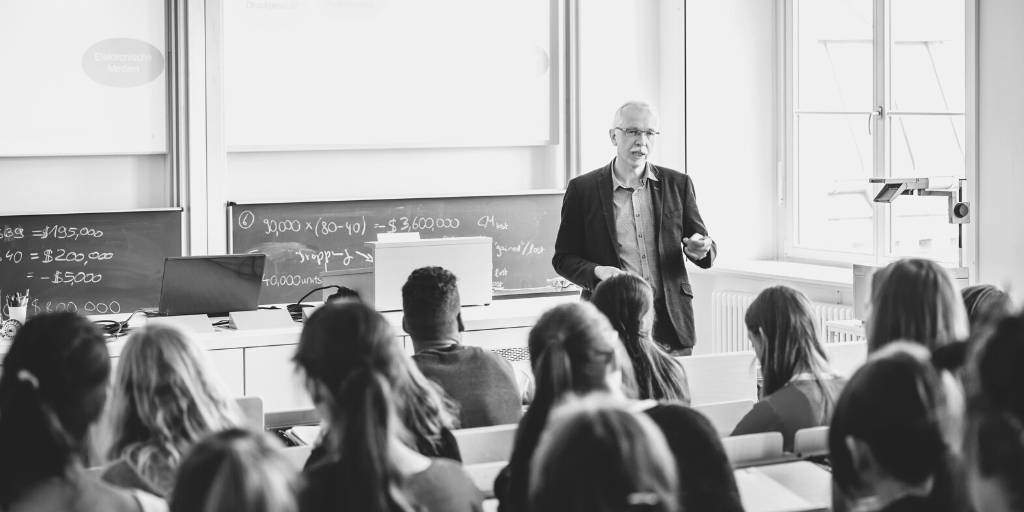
x=874, y=88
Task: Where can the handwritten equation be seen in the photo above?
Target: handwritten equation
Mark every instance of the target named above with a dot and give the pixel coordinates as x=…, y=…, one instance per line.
x=353, y=230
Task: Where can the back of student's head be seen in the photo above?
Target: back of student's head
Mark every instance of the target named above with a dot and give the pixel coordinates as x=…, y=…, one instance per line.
x=986, y=305
x=994, y=443
x=54, y=386
x=894, y=404
x=783, y=319
x=166, y=397
x=326, y=349
x=573, y=350
x=915, y=300
x=236, y=469
x=595, y=456
x=350, y=357
x=430, y=303
x=628, y=302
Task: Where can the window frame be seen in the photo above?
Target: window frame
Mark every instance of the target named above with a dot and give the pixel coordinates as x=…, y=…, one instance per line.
x=787, y=206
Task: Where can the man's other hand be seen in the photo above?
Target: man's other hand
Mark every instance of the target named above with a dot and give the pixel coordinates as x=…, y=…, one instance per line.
x=602, y=273
x=696, y=247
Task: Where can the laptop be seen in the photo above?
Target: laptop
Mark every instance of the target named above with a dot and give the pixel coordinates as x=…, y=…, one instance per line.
x=211, y=285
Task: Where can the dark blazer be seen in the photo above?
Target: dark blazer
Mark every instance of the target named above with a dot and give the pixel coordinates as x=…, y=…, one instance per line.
x=586, y=237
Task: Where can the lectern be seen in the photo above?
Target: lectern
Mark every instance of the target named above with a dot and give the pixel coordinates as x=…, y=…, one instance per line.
x=469, y=258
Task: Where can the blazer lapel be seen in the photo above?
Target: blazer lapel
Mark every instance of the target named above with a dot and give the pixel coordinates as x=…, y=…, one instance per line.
x=604, y=191
x=657, y=198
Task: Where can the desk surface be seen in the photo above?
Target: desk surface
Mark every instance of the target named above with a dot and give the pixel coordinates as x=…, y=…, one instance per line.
x=501, y=314
x=788, y=487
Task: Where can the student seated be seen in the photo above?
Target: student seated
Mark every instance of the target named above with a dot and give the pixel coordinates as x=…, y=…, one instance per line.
x=575, y=351
x=994, y=441
x=628, y=302
x=427, y=414
x=236, y=470
x=596, y=456
x=799, y=388
x=886, y=440
x=915, y=300
x=166, y=397
x=352, y=362
x=986, y=305
x=53, y=389
x=481, y=382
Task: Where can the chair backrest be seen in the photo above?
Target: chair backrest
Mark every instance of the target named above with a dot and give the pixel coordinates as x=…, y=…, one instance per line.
x=725, y=415
x=811, y=442
x=754, y=449
x=483, y=475
x=252, y=409
x=846, y=358
x=717, y=378
x=486, y=444
x=297, y=455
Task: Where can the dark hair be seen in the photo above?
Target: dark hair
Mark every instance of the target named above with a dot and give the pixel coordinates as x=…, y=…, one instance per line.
x=350, y=349
x=54, y=386
x=785, y=319
x=595, y=456
x=626, y=299
x=994, y=440
x=344, y=293
x=236, y=469
x=707, y=481
x=986, y=305
x=915, y=300
x=430, y=303
x=572, y=350
x=895, y=403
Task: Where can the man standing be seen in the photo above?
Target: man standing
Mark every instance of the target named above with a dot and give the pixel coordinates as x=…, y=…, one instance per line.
x=482, y=382
x=633, y=216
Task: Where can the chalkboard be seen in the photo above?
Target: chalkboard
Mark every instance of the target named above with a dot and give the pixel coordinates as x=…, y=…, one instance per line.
x=303, y=239
x=93, y=263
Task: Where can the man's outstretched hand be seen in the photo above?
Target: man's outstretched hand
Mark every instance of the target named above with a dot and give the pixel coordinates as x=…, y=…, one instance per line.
x=696, y=247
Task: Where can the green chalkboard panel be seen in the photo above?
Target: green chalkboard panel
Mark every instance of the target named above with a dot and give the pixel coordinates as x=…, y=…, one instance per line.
x=303, y=239
x=93, y=263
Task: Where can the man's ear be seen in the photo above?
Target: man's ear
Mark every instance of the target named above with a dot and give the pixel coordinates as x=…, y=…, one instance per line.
x=458, y=319
x=405, y=326
x=611, y=135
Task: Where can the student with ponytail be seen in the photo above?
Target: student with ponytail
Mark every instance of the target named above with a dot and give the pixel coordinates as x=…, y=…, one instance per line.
x=800, y=390
x=575, y=351
x=628, y=302
x=53, y=389
x=351, y=361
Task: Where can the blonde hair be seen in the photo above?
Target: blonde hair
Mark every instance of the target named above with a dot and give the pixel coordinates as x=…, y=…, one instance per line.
x=236, y=470
x=915, y=299
x=166, y=398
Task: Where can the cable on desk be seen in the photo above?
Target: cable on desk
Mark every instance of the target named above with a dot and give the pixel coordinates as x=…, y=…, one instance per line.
x=296, y=309
x=113, y=328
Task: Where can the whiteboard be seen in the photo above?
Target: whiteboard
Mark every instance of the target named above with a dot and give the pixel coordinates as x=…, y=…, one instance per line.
x=323, y=74
x=82, y=78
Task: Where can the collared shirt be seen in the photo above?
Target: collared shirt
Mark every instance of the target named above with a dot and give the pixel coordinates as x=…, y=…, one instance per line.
x=637, y=244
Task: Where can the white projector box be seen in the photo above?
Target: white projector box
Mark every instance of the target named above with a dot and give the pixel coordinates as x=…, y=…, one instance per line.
x=469, y=258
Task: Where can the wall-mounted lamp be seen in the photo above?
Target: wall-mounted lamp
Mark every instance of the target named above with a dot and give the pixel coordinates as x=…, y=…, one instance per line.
x=951, y=188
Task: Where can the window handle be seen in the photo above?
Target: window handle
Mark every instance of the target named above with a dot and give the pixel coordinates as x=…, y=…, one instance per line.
x=878, y=112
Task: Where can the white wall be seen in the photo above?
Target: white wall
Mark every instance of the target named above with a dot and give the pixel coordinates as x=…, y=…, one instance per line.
x=631, y=51
x=83, y=183
x=305, y=175
x=1000, y=209
x=730, y=101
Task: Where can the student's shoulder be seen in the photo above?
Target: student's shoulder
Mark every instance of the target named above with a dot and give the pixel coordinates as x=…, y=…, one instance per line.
x=447, y=474
x=107, y=497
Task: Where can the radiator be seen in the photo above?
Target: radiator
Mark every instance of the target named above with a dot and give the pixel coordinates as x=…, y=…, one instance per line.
x=729, y=331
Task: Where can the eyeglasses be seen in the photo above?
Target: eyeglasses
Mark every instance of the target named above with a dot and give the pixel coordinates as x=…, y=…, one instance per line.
x=633, y=132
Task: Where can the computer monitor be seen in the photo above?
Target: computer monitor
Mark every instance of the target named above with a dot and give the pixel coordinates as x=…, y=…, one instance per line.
x=212, y=285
